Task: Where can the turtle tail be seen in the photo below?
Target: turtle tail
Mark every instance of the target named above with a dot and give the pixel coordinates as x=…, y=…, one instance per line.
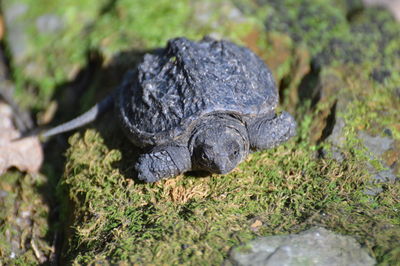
x=89, y=116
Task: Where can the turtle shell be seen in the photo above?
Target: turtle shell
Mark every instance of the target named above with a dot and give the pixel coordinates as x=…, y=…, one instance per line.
x=176, y=87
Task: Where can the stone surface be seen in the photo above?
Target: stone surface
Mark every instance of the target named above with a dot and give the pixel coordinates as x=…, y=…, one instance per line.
x=378, y=146
x=49, y=23
x=44, y=41
x=316, y=246
x=392, y=5
x=338, y=139
x=16, y=35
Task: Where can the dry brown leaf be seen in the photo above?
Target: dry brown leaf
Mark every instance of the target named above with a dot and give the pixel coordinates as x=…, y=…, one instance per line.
x=1, y=28
x=25, y=154
x=256, y=225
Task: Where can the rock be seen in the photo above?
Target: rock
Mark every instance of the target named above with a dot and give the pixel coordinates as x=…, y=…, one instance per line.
x=316, y=246
x=49, y=23
x=373, y=191
x=380, y=149
x=338, y=139
x=16, y=35
x=397, y=93
x=378, y=146
x=384, y=176
x=44, y=40
x=391, y=5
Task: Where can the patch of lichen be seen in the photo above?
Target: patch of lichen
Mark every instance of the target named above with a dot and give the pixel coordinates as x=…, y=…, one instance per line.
x=24, y=231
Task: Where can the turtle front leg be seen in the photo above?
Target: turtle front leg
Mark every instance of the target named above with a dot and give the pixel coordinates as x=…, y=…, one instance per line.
x=267, y=132
x=163, y=162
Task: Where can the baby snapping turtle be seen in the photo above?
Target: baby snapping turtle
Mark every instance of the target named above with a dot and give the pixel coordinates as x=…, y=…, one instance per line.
x=197, y=106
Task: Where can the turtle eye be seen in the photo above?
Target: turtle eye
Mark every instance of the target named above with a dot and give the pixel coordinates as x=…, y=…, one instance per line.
x=233, y=155
x=233, y=150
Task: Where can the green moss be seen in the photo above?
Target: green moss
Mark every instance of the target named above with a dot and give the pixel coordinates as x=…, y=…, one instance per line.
x=347, y=52
x=353, y=54
x=197, y=220
x=141, y=24
x=329, y=36
x=23, y=216
x=52, y=58
x=312, y=22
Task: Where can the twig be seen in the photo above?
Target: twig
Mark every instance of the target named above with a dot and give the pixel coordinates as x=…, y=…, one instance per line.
x=39, y=255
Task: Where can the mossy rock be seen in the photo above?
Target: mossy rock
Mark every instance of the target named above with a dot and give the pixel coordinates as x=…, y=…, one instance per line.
x=331, y=61
x=195, y=220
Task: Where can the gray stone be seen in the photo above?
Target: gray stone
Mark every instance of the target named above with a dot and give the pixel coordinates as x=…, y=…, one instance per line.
x=397, y=92
x=49, y=23
x=376, y=145
x=205, y=14
x=15, y=11
x=21, y=42
x=316, y=246
x=373, y=191
x=3, y=193
x=337, y=137
x=385, y=176
x=16, y=35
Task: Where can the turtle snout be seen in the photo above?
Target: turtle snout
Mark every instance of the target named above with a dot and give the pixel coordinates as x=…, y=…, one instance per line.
x=223, y=165
x=215, y=162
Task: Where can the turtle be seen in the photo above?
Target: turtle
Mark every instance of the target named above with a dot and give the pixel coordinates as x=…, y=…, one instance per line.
x=195, y=106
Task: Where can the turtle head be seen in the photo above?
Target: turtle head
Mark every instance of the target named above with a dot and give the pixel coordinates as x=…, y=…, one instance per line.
x=220, y=147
